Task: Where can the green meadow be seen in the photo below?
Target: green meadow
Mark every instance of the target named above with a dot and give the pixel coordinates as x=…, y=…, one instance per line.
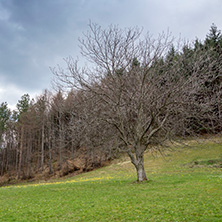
x=184, y=185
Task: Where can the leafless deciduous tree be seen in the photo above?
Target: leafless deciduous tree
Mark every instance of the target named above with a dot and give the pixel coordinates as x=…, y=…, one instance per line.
x=132, y=97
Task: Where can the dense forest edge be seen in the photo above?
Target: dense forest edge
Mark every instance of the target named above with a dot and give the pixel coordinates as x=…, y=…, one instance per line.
x=138, y=96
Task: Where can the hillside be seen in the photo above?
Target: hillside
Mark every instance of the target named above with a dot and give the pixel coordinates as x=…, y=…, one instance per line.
x=184, y=185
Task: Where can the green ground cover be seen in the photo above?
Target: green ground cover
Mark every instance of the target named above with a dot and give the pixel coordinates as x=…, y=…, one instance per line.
x=185, y=185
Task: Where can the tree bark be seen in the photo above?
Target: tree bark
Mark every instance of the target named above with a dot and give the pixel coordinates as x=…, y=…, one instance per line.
x=60, y=142
x=141, y=174
x=138, y=162
x=50, y=149
x=42, y=147
x=3, y=160
x=20, y=153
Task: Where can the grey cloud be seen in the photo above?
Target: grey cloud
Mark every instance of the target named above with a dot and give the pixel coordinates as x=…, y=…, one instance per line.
x=36, y=34
x=29, y=37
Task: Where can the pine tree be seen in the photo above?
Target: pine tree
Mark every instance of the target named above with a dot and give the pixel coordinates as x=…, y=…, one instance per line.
x=4, y=118
x=214, y=38
x=22, y=106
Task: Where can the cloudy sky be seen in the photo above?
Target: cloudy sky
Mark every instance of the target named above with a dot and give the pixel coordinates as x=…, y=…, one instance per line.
x=38, y=34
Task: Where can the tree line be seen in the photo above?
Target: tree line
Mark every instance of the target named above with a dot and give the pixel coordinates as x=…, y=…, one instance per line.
x=136, y=93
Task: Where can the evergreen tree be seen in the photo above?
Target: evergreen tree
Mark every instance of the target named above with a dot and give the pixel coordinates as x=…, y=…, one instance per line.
x=4, y=118
x=23, y=104
x=214, y=38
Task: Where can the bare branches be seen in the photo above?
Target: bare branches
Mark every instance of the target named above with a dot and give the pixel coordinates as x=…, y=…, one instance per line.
x=142, y=89
x=110, y=49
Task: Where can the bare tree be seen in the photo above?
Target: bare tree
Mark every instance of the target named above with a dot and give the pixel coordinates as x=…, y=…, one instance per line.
x=134, y=99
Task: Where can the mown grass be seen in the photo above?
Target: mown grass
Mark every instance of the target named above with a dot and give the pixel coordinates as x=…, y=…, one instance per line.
x=178, y=190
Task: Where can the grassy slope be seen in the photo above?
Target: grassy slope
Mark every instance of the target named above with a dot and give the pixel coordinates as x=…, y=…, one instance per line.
x=176, y=192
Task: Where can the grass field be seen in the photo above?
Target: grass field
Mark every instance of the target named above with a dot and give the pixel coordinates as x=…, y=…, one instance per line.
x=185, y=185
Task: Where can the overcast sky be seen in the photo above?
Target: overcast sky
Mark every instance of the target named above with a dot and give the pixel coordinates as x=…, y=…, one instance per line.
x=38, y=34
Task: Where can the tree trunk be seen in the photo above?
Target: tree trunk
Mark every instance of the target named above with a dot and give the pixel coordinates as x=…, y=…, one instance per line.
x=138, y=162
x=3, y=160
x=50, y=150
x=50, y=159
x=20, y=153
x=42, y=147
x=60, y=143
x=29, y=153
x=16, y=160
x=39, y=150
x=72, y=150
x=141, y=175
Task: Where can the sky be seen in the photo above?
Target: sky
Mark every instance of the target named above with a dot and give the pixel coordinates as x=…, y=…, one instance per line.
x=38, y=34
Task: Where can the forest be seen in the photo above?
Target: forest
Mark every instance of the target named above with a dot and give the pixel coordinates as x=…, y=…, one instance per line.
x=136, y=94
